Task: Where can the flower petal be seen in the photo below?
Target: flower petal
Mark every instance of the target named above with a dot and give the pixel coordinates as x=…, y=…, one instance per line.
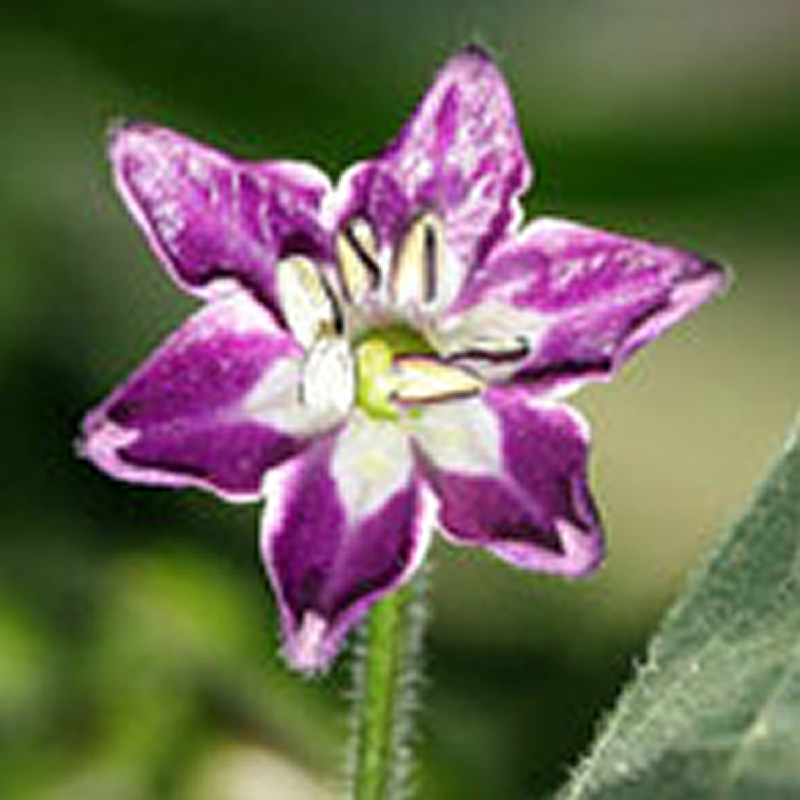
x=216, y=406
x=460, y=155
x=582, y=300
x=511, y=478
x=213, y=220
x=344, y=524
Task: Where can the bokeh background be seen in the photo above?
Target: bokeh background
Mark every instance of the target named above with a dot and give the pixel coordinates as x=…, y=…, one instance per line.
x=137, y=638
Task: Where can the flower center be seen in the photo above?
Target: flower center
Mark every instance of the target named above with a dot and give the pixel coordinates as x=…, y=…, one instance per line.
x=375, y=355
x=392, y=369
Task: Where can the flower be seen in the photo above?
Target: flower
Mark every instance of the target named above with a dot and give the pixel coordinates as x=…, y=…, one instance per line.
x=383, y=356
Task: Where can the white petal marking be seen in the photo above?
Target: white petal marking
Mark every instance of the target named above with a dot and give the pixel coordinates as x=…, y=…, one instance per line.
x=328, y=380
x=491, y=321
x=491, y=337
x=460, y=437
x=372, y=461
x=275, y=401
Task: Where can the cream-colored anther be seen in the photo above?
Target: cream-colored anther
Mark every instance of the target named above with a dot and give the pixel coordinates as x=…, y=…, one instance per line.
x=308, y=305
x=358, y=259
x=328, y=384
x=417, y=379
x=418, y=263
x=494, y=349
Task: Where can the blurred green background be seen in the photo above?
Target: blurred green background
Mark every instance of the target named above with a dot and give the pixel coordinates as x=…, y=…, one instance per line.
x=137, y=637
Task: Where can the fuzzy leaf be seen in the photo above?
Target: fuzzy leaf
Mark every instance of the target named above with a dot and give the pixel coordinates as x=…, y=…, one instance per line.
x=715, y=710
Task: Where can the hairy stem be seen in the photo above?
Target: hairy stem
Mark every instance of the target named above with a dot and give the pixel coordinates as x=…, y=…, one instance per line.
x=387, y=680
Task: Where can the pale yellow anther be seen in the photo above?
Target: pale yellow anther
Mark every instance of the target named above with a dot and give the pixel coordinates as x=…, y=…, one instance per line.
x=358, y=259
x=500, y=349
x=418, y=262
x=425, y=380
x=308, y=305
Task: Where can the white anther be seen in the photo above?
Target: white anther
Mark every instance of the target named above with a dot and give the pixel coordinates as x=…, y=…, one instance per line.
x=358, y=259
x=308, y=304
x=417, y=379
x=419, y=262
x=510, y=348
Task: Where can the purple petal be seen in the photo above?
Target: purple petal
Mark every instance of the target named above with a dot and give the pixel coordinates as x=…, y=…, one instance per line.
x=214, y=220
x=460, y=155
x=511, y=478
x=584, y=299
x=214, y=407
x=344, y=524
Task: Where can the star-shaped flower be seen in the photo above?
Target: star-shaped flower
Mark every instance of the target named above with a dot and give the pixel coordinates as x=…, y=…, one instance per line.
x=385, y=356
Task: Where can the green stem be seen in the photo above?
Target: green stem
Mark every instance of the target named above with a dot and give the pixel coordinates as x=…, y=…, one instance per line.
x=386, y=684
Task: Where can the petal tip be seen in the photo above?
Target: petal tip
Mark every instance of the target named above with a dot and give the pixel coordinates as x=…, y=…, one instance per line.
x=476, y=61
x=716, y=277
x=477, y=51
x=116, y=126
x=308, y=648
x=123, y=135
x=701, y=282
x=584, y=548
x=583, y=551
x=100, y=442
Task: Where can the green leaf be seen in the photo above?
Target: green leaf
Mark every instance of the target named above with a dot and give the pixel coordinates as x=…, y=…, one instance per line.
x=715, y=710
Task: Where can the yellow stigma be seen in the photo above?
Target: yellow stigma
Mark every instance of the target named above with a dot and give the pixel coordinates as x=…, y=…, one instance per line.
x=373, y=364
x=375, y=354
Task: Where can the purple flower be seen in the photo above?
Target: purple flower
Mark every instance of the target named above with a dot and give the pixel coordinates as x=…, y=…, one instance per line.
x=385, y=356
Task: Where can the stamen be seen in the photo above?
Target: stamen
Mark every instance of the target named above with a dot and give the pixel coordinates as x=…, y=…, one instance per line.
x=493, y=350
x=419, y=260
x=432, y=252
x=417, y=379
x=307, y=301
x=357, y=259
